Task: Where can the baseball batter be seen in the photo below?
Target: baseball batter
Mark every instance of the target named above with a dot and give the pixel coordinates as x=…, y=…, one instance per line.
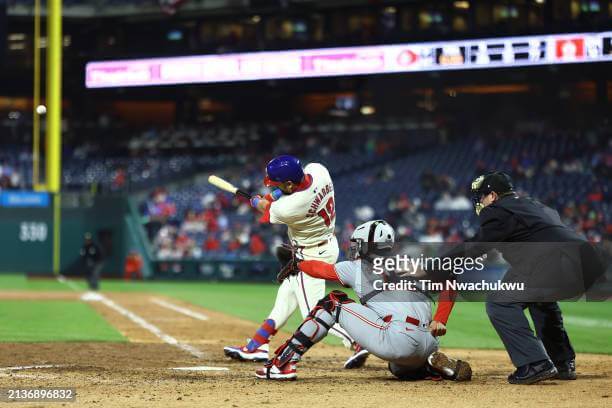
x=303, y=199
x=395, y=326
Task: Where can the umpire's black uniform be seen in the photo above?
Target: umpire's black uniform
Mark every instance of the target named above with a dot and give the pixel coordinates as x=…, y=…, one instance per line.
x=91, y=256
x=513, y=219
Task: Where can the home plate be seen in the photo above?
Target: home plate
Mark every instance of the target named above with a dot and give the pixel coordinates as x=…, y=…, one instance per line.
x=201, y=368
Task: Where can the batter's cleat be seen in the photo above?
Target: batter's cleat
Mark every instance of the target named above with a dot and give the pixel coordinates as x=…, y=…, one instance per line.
x=358, y=359
x=566, y=370
x=533, y=373
x=448, y=368
x=271, y=371
x=243, y=354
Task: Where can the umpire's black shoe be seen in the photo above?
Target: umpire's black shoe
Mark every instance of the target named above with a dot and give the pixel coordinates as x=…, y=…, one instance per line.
x=566, y=370
x=533, y=373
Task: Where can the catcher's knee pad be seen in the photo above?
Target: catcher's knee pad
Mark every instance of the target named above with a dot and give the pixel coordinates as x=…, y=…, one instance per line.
x=333, y=301
x=321, y=318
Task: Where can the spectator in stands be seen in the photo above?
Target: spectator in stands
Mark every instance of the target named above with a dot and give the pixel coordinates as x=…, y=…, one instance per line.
x=211, y=244
x=159, y=208
x=192, y=223
x=166, y=250
x=119, y=179
x=234, y=245
x=364, y=213
x=257, y=246
x=432, y=235
x=10, y=179
x=453, y=203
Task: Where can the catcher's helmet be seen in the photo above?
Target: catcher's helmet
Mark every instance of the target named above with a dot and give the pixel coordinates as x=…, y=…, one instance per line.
x=482, y=185
x=370, y=239
x=283, y=168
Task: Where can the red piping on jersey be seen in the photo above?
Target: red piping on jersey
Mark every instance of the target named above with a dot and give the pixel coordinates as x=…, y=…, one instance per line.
x=364, y=319
x=304, y=291
x=319, y=269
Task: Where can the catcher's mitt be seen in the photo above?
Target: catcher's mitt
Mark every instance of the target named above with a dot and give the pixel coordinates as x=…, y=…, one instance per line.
x=291, y=267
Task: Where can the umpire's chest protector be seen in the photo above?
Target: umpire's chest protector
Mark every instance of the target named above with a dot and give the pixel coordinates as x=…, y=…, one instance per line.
x=534, y=222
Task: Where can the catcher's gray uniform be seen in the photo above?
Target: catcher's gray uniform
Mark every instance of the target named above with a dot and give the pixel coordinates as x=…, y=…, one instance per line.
x=391, y=325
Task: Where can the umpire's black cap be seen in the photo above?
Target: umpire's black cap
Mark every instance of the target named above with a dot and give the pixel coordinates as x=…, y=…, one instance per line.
x=497, y=181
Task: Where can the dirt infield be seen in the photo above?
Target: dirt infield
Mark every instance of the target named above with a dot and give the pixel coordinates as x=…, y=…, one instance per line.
x=139, y=373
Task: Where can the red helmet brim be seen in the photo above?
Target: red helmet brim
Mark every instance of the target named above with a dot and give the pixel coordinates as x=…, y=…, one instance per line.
x=271, y=183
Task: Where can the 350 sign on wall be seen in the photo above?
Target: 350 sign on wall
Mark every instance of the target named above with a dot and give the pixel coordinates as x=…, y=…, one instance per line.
x=33, y=232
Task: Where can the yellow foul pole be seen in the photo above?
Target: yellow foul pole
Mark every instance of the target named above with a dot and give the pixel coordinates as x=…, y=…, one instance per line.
x=36, y=101
x=54, y=119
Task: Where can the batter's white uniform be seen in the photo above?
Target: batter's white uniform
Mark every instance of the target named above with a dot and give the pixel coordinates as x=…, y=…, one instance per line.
x=311, y=218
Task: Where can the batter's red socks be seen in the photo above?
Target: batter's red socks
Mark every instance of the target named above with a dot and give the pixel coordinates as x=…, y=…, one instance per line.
x=262, y=335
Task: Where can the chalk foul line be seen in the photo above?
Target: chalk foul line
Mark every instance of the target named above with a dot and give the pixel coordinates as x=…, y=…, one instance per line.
x=166, y=338
x=179, y=309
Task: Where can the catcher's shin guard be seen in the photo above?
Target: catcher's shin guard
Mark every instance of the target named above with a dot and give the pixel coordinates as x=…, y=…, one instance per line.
x=314, y=328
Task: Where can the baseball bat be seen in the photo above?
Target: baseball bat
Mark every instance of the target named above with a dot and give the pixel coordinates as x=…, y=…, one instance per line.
x=227, y=186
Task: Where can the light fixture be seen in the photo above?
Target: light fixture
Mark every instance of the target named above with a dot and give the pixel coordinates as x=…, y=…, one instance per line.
x=462, y=4
x=16, y=37
x=368, y=110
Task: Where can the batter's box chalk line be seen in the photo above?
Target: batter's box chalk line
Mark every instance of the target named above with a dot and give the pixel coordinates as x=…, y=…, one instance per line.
x=179, y=309
x=200, y=368
x=31, y=367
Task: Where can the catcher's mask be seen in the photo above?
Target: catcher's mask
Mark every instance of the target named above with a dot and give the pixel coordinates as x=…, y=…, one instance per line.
x=485, y=184
x=371, y=239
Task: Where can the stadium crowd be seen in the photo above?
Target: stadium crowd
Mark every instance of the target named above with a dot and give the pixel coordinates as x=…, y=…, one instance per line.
x=437, y=209
x=407, y=171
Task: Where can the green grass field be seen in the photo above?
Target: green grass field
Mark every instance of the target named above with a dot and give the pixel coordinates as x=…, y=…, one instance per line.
x=53, y=320
x=589, y=324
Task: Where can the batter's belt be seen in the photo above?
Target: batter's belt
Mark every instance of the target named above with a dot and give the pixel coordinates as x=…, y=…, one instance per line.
x=316, y=245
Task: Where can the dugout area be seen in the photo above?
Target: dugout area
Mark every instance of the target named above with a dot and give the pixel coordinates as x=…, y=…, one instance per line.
x=113, y=360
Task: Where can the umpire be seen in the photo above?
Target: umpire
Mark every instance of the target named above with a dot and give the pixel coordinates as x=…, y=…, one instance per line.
x=91, y=255
x=507, y=218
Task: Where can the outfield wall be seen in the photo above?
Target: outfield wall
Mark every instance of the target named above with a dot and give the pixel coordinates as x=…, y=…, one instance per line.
x=26, y=240
x=27, y=234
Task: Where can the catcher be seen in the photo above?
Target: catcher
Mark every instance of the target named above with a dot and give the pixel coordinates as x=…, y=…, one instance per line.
x=395, y=326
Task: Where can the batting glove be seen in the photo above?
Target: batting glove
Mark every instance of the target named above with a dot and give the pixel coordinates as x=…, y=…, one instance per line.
x=255, y=201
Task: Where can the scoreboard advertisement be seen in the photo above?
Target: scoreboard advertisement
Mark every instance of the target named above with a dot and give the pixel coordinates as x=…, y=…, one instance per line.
x=504, y=52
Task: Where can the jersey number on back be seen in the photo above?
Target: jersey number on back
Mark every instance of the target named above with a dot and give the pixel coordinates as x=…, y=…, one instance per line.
x=329, y=212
